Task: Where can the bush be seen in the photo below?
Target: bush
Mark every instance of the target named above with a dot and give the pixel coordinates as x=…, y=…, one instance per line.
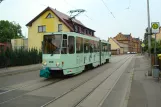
x=19, y=57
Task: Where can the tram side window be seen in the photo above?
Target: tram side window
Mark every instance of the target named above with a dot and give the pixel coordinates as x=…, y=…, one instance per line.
x=79, y=45
x=91, y=46
x=98, y=47
x=101, y=46
x=86, y=45
x=95, y=46
x=107, y=47
x=104, y=47
x=71, y=43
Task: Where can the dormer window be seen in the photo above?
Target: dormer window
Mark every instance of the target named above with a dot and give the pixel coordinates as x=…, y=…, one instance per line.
x=90, y=32
x=82, y=30
x=87, y=32
x=76, y=28
x=49, y=16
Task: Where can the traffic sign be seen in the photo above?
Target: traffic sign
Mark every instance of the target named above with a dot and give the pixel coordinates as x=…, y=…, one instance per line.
x=155, y=27
x=143, y=45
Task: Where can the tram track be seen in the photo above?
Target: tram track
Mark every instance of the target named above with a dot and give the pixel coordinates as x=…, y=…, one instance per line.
x=72, y=89
x=77, y=104
x=28, y=85
x=19, y=88
x=55, y=81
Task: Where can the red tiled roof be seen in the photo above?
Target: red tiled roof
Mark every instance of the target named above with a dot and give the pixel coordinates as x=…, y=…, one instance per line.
x=63, y=17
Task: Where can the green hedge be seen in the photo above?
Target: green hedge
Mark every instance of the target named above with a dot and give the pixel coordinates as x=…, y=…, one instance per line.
x=19, y=57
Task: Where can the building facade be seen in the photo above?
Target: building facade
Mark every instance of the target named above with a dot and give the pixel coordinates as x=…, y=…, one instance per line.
x=133, y=43
x=117, y=48
x=19, y=43
x=136, y=45
x=51, y=20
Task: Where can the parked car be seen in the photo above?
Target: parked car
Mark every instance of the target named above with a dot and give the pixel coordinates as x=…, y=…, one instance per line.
x=128, y=52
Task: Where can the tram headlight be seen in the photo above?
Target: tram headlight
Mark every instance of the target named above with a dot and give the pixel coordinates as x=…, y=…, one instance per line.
x=44, y=63
x=57, y=64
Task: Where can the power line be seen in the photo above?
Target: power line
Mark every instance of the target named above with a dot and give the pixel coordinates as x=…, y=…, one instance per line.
x=108, y=8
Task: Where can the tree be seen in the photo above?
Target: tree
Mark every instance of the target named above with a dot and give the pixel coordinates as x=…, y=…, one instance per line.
x=158, y=45
x=9, y=30
x=1, y=1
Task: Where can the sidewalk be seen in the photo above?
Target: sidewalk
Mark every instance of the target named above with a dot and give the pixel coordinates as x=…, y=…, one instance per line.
x=145, y=91
x=19, y=69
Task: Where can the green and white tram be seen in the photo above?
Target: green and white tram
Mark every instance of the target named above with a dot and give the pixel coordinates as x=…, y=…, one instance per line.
x=69, y=53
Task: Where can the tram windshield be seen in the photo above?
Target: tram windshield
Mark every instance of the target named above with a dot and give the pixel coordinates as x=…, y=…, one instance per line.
x=52, y=44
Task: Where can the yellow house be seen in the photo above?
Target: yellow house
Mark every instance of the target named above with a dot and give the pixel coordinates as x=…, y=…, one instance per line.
x=118, y=48
x=51, y=20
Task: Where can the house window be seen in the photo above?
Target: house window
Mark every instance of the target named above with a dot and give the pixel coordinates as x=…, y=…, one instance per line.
x=76, y=28
x=59, y=27
x=41, y=28
x=82, y=30
x=90, y=32
x=49, y=15
x=79, y=29
x=86, y=31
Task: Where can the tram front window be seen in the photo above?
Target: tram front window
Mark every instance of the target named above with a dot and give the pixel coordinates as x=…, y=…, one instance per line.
x=52, y=44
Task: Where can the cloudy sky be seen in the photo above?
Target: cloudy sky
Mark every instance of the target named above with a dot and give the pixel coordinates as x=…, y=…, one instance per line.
x=129, y=16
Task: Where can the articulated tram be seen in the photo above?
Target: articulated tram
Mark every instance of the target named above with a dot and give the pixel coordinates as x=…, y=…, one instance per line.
x=70, y=53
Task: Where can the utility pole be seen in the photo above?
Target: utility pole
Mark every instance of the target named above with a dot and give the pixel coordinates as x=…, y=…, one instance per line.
x=149, y=32
x=149, y=37
x=155, y=52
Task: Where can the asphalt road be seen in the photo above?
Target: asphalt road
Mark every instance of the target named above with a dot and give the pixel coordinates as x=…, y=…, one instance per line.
x=18, y=78
x=34, y=75
x=28, y=89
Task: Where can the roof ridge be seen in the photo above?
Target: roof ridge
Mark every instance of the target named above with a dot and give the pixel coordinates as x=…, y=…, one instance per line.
x=75, y=20
x=118, y=43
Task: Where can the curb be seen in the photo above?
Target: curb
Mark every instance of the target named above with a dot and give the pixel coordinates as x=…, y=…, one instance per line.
x=14, y=72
